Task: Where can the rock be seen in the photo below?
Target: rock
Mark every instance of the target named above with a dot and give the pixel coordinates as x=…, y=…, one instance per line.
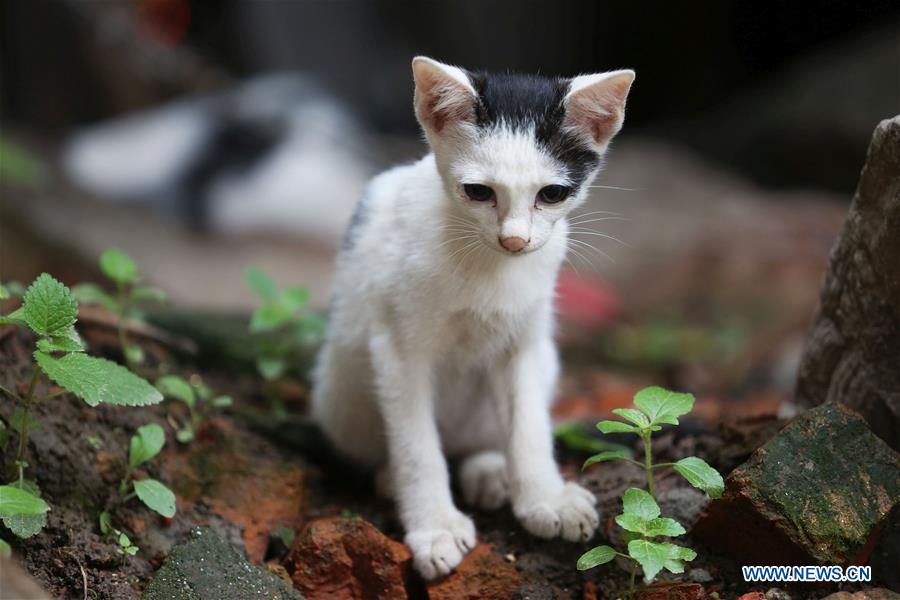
x=872, y=594
x=818, y=492
x=207, y=567
x=753, y=596
x=534, y=591
x=700, y=575
x=338, y=558
x=684, y=504
x=239, y=482
x=777, y=594
x=672, y=591
x=853, y=348
x=482, y=574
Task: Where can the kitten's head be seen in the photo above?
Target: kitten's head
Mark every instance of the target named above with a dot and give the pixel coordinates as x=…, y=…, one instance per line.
x=517, y=152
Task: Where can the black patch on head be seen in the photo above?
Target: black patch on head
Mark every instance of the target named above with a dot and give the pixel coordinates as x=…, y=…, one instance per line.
x=533, y=101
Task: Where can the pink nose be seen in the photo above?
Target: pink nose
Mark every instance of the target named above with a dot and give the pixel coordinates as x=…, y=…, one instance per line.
x=513, y=244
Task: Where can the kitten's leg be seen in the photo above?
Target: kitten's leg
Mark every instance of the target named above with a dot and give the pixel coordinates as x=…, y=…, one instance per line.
x=484, y=479
x=436, y=532
x=545, y=504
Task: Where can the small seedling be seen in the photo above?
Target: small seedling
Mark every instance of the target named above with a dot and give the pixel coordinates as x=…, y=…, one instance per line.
x=122, y=270
x=145, y=444
x=199, y=399
x=50, y=311
x=286, y=312
x=122, y=539
x=641, y=518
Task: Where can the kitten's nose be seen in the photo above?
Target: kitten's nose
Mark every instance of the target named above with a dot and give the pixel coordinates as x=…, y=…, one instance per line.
x=513, y=244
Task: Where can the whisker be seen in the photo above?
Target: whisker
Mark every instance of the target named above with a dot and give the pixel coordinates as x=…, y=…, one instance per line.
x=598, y=219
x=603, y=235
x=577, y=253
x=586, y=245
x=456, y=239
x=615, y=187
x=598, y=212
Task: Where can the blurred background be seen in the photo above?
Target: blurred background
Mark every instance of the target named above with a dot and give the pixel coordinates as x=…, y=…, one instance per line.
x=204, y=137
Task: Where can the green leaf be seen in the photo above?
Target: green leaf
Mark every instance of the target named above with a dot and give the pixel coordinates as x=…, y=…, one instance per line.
x=19, y=422
x=640, y=503
x=701, y=475
x=156, y=496
x=631, y=522
x=105, y=523
x=146, y=444
x=652, y=556
x=118, y=266
x=270, y=367
x=663, y=526
x=4, y=293
x=222, y=401
x=16, y=318
x=15, y=289
x=130, y=550
x=97, y=380
x=616, y=427
x=635, y=416
x=202, y=390
x=145, y=293
x=67, y=340
x=25, y=526
x=124, y=540
x=173, y=386
x=605, y=456
x=269, y=317
x=594, y=557
x=577, y=436
x=5, y=550
x=49, y=307
x=91, y=293
x=185, y=435
x=294, y=298
x=262, y=284
x=663, y=406
x=134, y=354
x=14, y=501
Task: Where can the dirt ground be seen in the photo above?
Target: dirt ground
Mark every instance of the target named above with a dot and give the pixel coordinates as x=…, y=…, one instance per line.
x=250, y=476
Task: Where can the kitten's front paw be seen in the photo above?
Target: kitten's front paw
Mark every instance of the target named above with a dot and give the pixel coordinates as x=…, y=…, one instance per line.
x=436, y=552
x=569, y=513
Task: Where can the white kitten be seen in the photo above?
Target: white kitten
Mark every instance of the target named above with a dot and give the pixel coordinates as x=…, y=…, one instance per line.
x=441, y=332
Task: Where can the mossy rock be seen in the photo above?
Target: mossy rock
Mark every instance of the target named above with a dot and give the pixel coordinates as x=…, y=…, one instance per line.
x=819, y=491
x=206, y=567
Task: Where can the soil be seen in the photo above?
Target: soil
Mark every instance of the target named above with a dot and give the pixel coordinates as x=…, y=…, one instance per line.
x=250, y=474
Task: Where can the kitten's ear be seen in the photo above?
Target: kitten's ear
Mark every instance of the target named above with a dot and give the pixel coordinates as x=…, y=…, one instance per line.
x=595, y=104
x=444, y=94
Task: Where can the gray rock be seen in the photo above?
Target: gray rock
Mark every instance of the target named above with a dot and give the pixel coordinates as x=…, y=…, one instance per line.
x=682, y=504
x=206, y=567
x=854, y=347
x=700, y=575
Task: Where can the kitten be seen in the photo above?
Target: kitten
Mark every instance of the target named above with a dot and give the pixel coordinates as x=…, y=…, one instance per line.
x=441, y=333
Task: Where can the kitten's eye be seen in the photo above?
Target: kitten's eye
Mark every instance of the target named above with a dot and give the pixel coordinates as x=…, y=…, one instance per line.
x=553, y=194
x=478, y=192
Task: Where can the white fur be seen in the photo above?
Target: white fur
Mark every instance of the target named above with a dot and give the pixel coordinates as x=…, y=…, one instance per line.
x=441, y=342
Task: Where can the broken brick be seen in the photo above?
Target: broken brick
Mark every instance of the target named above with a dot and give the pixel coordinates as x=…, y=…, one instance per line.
x=818, y=492
x=483, y=573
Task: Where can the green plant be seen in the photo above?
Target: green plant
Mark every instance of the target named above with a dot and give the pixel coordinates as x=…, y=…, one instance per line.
x=22, y=509
x=121, y=270
x=122, y=539
x=191, y=394
x=50, y=311
x=145, y=444
x=284, y=312
x=641, y=518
